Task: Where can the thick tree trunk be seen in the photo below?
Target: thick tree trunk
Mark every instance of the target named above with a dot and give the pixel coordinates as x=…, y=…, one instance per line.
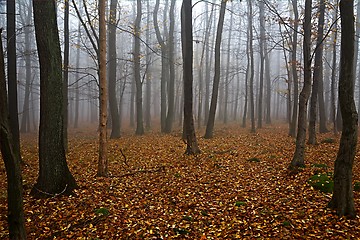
x=298, y=158
x=112, y=56
x=187, y=51
x=16, y=219
x=54, y=175
x=343, y=197
x=215, y=91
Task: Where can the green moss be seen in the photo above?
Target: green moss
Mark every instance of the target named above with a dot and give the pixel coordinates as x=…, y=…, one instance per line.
x=322, y=182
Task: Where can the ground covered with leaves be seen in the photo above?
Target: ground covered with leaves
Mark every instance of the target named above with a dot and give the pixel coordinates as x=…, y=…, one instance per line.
x=237, y=188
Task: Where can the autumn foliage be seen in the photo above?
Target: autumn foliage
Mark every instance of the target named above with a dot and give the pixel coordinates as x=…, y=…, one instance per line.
x=239, y=187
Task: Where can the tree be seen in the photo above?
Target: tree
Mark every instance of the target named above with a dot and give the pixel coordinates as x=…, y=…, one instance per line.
x=187, y=52
x=11, y=160
x=292, y=130
x=114, y=112
x=343, y=198
x=103, y=161
x=137, y=77
x=318, y=74
x=298, y=158
x=54, y=175
x=262, y=53
x=215, y=91
x=12, y=74
x=251, y=73
x=66, y=71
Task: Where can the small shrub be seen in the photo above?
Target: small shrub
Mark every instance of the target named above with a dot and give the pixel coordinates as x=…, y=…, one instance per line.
x=320, y=165
x=322, y=182
x=328, y=140
x=254, y=159
x=177, y=175
x=286, y=223
x=204, y=213
x=240, y=203
x=357, y=186
x=102, y=211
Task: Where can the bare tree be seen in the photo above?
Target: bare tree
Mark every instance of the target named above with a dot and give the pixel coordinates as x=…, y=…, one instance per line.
x=187, y=52
x=298, y=158
x=343, y=197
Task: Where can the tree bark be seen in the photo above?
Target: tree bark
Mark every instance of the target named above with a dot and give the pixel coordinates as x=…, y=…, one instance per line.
x=103, y=160
x=262, y=53
x=342, y=200
x=12, y=74
x=298, y=158
x=112, y=61
x=318, y=68
x=251, y=83
x=292, y=130
x=54, y=175
x=215, y=91
x=11, y=160
x=66, y=73
x=187, y=52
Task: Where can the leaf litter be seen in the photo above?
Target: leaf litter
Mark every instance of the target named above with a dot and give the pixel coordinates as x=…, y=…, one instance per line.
x=237, y=188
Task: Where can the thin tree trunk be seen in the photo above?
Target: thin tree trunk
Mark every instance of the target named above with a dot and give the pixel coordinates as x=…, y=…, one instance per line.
x=11, y=160
x=318, y=68
x=137, y=76
x=294, y=121
x=103, y=160
x=227, y=81
x=215, y=91
x=148, y=75
x=298, y=158
x=251, y=52
x=262, y=50
x=66, y=73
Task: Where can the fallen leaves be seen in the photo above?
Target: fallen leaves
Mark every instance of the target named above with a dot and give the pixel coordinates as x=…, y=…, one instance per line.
x=237, y=188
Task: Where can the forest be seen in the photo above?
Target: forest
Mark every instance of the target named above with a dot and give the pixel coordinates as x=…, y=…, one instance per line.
x=169, y=119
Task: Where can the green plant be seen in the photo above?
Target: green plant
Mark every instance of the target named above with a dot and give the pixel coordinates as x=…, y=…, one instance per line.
x=357, y=186
x=187, y=218
x=320, y=165
x=204, y=213
x=254, y=159
x=322, y=182
x=286, y=223
x=102, y=211
x=240, y=203
x=177, y=175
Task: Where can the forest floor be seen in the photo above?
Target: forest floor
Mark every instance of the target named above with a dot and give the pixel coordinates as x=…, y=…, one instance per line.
x=237, y=188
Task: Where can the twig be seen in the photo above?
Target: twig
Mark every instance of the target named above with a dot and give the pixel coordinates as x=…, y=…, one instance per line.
x=51, y=194
x=159, y=169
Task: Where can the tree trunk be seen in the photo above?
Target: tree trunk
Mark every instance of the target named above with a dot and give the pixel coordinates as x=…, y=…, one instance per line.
x=25, y=120
x=342, y=200
x=298, y=158
x=77, y=92
x=187, y=51
x=318, y=68
x=171, y=84
x=54, y=175
x=137, y=77
x=112, y=61
x=251, y=52
x=227, y=81
x=16, y=219
x=164, y=66
x=333, y=76
x=262, y=52
x=292, y=130
x=215, y=91
x=12, y=75
x=148, y=74
x=66, y=73
x=103, y=160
